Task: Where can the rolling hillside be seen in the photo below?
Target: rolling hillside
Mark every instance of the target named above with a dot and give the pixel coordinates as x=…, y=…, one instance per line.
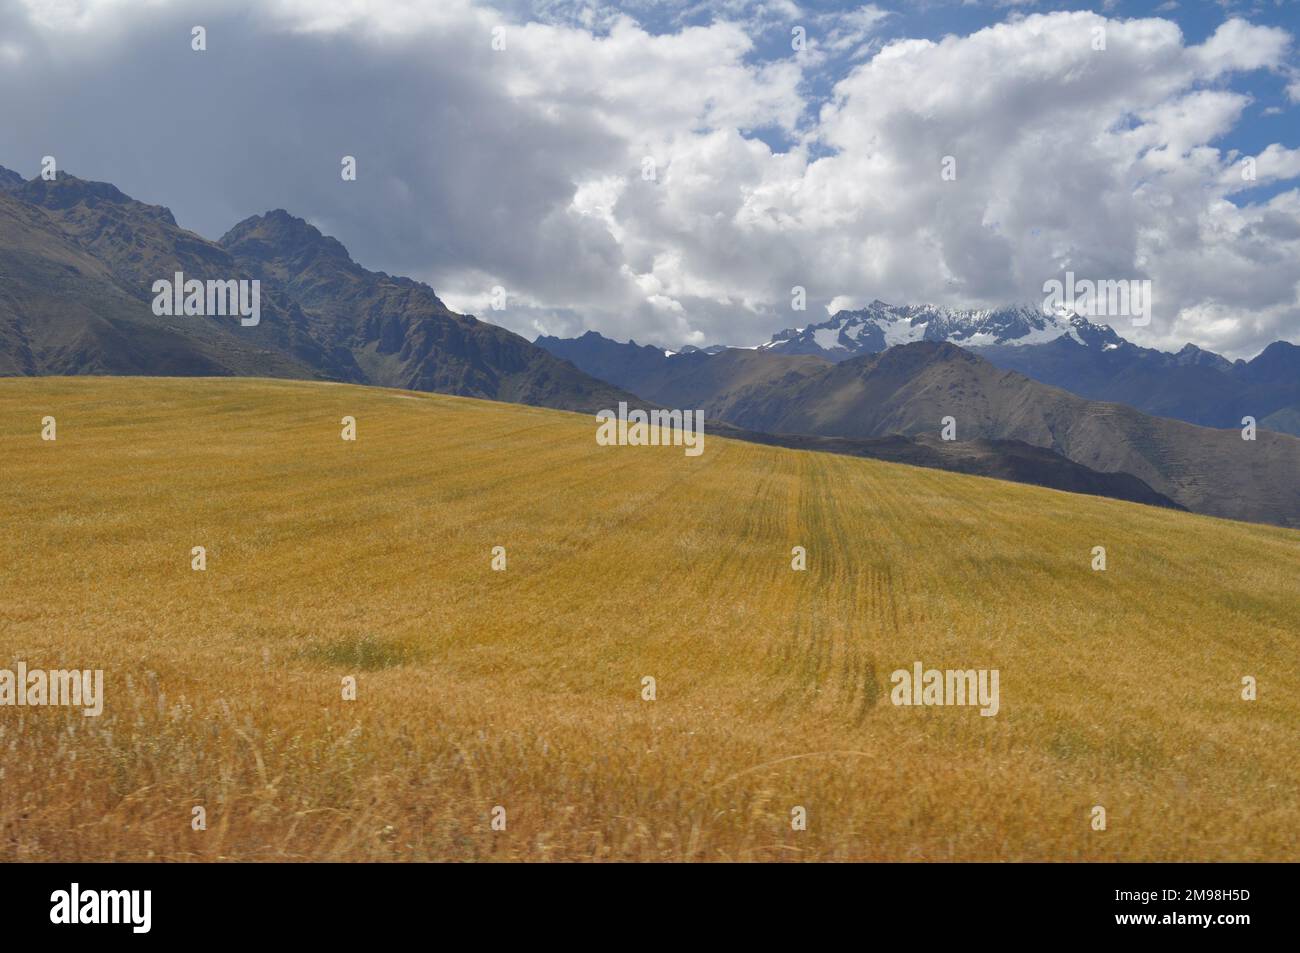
x=522, y=688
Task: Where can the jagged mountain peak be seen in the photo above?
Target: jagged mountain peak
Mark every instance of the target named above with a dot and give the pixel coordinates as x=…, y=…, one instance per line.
x=66, y=191
x=1191, y=355
x=1280, y=360
x=880, y=325
x=278, y=234
x=1088, y=334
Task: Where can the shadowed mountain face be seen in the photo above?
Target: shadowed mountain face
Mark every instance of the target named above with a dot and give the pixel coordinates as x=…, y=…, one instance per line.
x=10, y=181
x=698, y=378
x=1197, y=386
x=81, y=258
x=638, y=367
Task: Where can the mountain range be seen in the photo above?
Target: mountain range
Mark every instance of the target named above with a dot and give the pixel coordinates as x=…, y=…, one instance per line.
x=878, y=326
x=909, y=389
x=1069, y=351
x=1066, y=351
x=78, y=260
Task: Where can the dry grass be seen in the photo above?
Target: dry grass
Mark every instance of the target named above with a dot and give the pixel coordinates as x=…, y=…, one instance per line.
x=522, y=688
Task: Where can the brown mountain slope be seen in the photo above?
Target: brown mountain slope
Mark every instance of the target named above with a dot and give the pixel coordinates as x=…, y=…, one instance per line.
x=398, y=331
x=910, y=389
x=63, y=311
x=361, y=326
x=142, y=243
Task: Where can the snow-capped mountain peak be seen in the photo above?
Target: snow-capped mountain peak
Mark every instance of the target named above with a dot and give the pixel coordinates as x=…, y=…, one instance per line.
x=879, y=326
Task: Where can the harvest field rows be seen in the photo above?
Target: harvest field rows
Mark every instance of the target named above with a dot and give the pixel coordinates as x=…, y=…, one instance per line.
x=522, y=688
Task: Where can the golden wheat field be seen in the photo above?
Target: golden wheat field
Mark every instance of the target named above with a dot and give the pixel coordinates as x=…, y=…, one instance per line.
x=522, y=688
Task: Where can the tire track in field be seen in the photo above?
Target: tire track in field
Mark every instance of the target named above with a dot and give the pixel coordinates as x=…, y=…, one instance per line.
x=849, y=600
